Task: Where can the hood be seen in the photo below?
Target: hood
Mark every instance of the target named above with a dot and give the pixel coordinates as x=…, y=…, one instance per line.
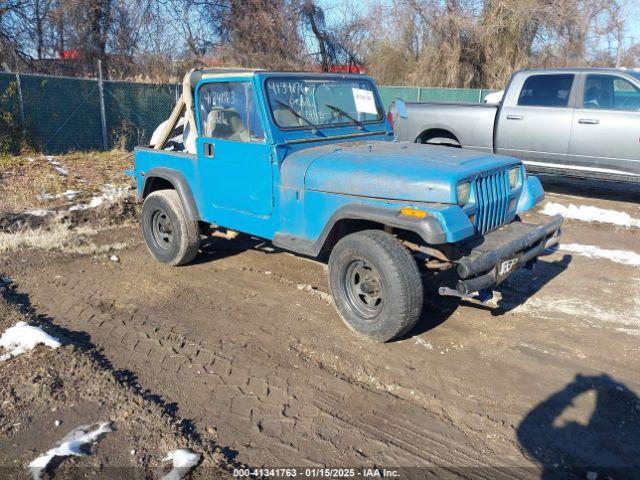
x=388, y=170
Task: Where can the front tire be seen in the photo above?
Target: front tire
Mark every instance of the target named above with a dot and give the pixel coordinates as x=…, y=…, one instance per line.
x=376, y=285
x=170, y=237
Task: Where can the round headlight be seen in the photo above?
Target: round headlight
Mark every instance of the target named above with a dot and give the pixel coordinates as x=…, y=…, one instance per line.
x=463, y=191
x=514, y=177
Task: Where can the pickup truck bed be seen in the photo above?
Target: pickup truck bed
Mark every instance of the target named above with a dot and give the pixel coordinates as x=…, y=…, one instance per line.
x=468, y=124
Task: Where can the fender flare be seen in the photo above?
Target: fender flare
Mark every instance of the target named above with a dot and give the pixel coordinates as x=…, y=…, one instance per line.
x=429, y=228
x=180, y=184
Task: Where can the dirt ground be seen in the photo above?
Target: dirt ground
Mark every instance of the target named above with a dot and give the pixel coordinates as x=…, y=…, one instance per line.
x=47, y=393
x=246, y=346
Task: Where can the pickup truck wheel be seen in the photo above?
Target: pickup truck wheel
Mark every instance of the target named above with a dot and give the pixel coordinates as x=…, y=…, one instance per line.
x=375, y=284
x=170, y=236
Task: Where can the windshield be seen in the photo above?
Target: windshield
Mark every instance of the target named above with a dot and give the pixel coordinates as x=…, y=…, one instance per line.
x=306, y=103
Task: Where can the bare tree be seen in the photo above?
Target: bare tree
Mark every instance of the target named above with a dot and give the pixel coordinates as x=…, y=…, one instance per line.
x=448, y=43
x=335, y=43
x=479, y=43
x=256, y=33
x=25, y=28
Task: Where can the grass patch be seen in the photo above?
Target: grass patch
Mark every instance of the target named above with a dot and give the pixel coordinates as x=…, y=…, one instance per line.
x=57, y=236
x=29, y=182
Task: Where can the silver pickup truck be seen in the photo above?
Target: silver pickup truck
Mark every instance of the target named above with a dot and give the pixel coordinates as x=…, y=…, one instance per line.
x=581, y=122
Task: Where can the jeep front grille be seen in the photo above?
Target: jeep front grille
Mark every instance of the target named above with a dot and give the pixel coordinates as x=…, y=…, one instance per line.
x=492, y=201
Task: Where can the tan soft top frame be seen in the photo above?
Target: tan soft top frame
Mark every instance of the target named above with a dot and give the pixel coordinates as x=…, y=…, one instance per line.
x=185, y=102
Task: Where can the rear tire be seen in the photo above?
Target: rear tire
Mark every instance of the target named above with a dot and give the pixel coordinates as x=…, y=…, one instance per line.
x=376, y=285
x=170, y=237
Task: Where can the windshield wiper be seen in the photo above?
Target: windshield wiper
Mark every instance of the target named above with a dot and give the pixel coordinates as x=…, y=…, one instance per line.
x=345, y=114
x=301, y=117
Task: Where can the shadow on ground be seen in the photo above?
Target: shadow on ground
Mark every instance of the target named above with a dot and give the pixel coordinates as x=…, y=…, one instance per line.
x=516, y=290
x=524, y=284
x=626, y=192
x=216, y=247
x=589, y=428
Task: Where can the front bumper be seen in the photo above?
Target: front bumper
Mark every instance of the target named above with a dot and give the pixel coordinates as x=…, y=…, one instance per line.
x=499, y=253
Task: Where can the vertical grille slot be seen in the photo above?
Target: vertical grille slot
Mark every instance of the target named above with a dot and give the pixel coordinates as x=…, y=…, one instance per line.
x=492, y=201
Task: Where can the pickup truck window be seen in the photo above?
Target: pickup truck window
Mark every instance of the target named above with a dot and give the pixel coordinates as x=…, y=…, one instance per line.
x=608, y=92
x=228, y=111
x=303, y=103
x=546, y=90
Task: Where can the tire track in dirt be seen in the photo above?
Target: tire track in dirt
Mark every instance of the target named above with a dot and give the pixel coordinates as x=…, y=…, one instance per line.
x=269, y=408
x=284, y=383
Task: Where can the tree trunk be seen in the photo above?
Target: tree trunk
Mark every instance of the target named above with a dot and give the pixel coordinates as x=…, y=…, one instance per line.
x=310, y=12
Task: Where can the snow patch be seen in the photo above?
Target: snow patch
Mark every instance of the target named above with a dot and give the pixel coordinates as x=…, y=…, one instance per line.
x=109, y=194
x=71, y=445
x=586, y=213
x=70, y=194
x=39, y=213
x=22, y=338
x=624, y=257
x=57, y=166
x=423, y=343
x=629, y=331
x=183, y=461
x=556, y=306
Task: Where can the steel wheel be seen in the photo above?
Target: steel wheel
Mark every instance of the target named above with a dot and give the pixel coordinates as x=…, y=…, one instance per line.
x=375, y=283
x=363, y=288
x=161, y=229
x=170, y=237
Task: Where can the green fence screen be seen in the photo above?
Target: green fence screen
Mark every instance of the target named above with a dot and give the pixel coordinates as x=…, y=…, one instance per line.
x=134, y=110
x=61, y=113
x=10, y=118
x=432, y=94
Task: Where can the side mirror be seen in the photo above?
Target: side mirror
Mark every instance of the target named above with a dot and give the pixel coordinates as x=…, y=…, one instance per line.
x=402, y=108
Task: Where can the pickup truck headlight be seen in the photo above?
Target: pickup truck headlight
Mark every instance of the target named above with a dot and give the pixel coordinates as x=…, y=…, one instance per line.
x=463, y=192
x=514, y=177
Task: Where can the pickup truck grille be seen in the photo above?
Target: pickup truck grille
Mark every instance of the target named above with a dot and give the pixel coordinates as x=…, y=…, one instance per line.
x=492, y=201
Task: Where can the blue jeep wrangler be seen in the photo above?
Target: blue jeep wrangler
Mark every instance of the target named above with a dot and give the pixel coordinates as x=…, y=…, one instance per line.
x=309, y=162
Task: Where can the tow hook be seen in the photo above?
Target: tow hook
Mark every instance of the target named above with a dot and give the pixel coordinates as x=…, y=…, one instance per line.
x=482, y=296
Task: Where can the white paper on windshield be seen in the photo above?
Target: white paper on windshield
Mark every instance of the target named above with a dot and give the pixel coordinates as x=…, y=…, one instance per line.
x=365, y=102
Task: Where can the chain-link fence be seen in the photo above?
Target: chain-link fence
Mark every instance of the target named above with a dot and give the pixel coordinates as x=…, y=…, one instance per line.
x=60, y=114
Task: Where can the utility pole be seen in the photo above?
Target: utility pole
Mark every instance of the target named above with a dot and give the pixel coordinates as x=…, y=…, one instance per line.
x=20, y=99
x=103, y=116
